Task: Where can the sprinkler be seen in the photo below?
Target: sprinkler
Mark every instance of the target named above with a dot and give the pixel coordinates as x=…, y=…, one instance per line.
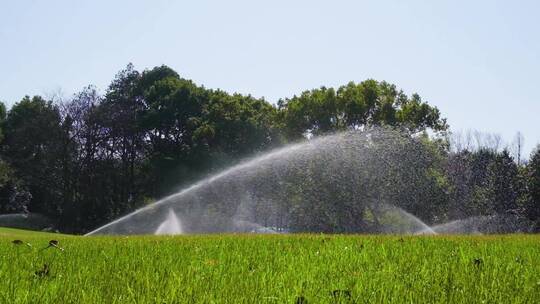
x=54, y=243
x=19, y=242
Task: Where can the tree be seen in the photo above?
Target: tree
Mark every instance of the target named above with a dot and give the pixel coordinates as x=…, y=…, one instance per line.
x=33, y=142
x=176, y=135
x=242, y=125
x=533, y=208
x=356, y=106
x=92, y=158
x=91, y=195
x=470, y=186
x=504, y=183
x=3, y=115
x=191, y=130
x=172, y=108
x=121, y=110
x=14, y=197
x=517, y=147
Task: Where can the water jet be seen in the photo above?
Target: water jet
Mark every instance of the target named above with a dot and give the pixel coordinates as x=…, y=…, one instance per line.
x=171, y=225
x=348, y=182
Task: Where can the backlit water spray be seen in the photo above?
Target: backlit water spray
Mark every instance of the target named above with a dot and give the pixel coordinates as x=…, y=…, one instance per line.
x=171, y=225
x=349, y=182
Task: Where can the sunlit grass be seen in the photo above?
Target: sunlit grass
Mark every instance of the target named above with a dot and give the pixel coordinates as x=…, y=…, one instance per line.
x=270, y=269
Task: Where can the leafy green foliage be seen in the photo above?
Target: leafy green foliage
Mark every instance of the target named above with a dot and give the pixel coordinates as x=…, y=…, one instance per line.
x=533, y=206
x=33, y=147
x=356, y=106
x=96, y=157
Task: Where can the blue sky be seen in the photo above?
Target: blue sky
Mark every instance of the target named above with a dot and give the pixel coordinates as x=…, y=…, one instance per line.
x=477, y=61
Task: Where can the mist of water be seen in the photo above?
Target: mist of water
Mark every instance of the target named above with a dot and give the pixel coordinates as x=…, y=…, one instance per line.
x=350, y=182
x=488, y=224
x=170, y=226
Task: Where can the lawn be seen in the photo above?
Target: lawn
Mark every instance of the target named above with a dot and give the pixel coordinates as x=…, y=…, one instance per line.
x=269, y=269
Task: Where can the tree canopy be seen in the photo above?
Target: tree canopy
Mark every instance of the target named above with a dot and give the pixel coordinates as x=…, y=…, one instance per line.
x=354, y=106
x=93, y=157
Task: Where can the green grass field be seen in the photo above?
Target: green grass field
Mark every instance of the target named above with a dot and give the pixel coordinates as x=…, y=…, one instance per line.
x=269, y=269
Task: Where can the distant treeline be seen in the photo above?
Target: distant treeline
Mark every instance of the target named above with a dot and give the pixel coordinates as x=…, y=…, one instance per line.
x=89, y=159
